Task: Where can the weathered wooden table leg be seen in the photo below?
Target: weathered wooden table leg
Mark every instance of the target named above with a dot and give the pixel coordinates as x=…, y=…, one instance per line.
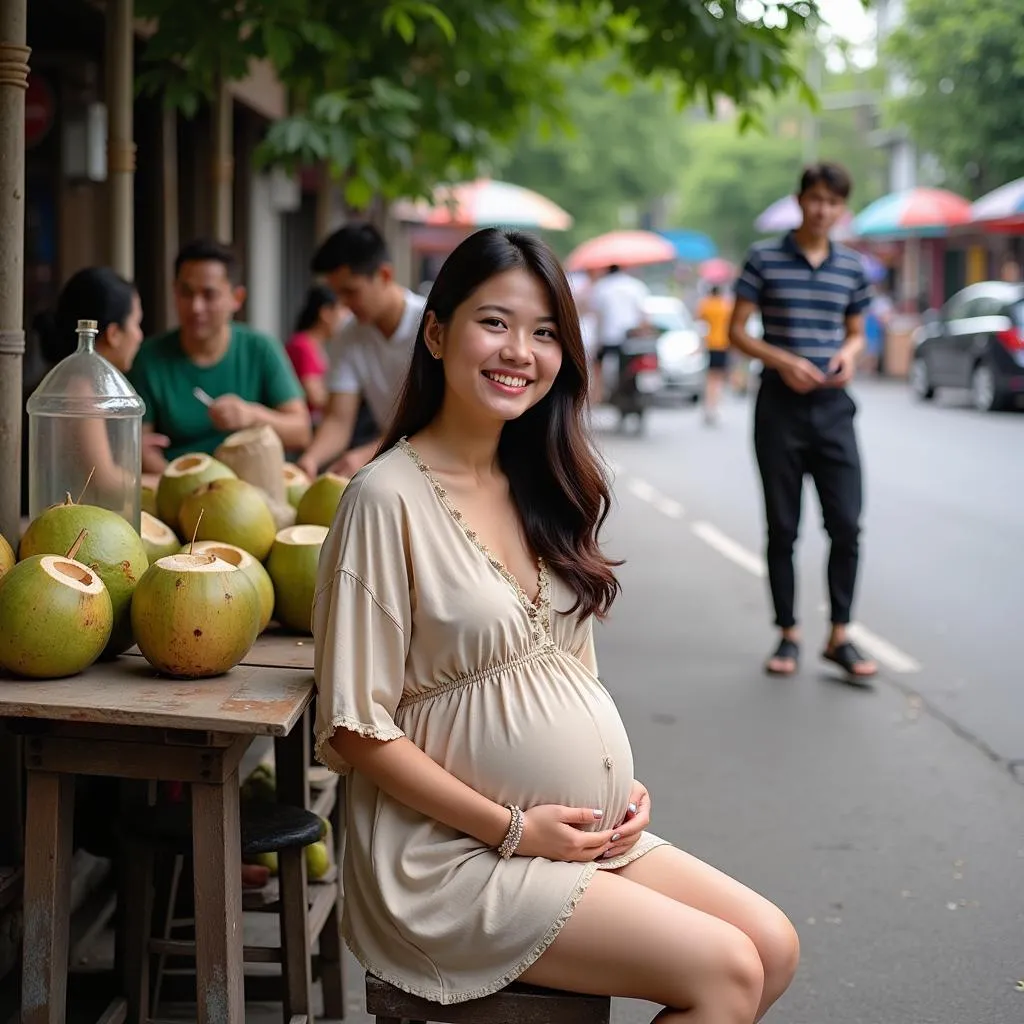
x=48, y=848
x=291, y=760
x=217, y=852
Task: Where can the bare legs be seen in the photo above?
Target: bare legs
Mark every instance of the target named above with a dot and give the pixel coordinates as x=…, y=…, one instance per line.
x=673, y=930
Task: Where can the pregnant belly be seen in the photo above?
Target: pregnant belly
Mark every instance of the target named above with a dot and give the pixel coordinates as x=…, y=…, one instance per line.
x=538, y=738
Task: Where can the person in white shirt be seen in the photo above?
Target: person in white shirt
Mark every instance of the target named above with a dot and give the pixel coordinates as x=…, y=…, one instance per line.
x=370, y=356
x=616, y=302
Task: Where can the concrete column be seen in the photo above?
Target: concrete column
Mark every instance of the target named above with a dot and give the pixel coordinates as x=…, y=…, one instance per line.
x=169, y=242
x=13, y=85
x=120, y=60
x=223, y=164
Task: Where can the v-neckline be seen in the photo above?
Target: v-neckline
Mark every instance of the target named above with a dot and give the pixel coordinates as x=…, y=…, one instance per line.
x=533, y=606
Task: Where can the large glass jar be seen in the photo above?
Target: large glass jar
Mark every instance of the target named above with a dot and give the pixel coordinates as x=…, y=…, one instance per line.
x=85, y=434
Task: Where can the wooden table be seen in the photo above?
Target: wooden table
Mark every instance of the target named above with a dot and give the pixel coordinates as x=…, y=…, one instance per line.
x=275, y=648
x=121, y=719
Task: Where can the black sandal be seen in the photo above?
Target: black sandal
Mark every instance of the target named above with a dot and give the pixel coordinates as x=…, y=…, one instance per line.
x=848, y=657
x=788, y=650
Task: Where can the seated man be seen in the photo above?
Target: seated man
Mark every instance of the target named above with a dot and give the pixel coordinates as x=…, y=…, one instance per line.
x=370, y=356
x=246, y=374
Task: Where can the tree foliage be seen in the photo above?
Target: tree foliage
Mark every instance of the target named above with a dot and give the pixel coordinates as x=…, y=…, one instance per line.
x=964, y=61
x=396, y=96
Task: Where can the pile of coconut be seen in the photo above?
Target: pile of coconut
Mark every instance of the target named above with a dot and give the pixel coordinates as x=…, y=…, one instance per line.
x=210, y=569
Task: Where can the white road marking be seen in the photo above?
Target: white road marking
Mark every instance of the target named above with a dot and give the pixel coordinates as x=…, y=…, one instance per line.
x=728, y=548
x=881, y=650
x=877, y=647
x=645, y=492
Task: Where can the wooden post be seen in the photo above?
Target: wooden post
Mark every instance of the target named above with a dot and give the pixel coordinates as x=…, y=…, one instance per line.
x=166, y=314
x=223, y=164
x=13, y=85
x=120, y=142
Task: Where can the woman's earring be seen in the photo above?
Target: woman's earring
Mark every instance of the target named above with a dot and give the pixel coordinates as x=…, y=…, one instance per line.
x=436, y=355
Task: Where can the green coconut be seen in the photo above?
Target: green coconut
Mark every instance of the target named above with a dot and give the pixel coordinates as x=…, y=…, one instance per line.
x=157, y=538
x=7, y=558
x=149, y=501
x=55, y=617
x=296, y=483
x=195, y=615
x=318, y=505
x=241, y=559
x=232, y=511
x=111, y=548
x=292, y=566
x=186, y=474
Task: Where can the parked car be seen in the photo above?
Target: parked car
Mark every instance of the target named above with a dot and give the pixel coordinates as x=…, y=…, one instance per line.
x=976, y=341
x=682, y=359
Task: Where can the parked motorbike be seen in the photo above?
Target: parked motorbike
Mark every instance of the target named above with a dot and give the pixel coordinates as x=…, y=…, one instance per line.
x=637, y=377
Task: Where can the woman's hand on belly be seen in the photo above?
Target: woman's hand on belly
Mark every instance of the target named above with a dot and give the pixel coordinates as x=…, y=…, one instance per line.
x=637, y=818
x=558, y=833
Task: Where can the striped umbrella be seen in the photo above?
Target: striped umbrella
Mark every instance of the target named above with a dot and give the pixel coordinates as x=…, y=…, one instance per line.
x=1004, y=204
x=487, y=203
x=914, y=212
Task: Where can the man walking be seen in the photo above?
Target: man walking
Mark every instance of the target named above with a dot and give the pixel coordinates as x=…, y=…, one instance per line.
x=812, y=294
x=714, y=311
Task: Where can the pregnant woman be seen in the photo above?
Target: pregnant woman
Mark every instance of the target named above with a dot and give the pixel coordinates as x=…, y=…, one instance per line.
x=495, y=830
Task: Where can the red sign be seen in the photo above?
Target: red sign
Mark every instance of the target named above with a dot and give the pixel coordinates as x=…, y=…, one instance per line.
x=40, y=109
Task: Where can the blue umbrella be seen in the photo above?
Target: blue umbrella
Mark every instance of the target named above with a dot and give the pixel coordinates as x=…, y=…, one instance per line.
x=691, y=246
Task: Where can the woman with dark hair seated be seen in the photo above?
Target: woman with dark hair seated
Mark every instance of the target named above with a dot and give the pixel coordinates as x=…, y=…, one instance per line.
x=495, y=830
x=100, y=294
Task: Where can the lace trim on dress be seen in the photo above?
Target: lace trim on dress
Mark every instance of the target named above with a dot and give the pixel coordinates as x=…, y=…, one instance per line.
x=446, y=998
x=549, y=647
x=539, y=610
x=330, y=758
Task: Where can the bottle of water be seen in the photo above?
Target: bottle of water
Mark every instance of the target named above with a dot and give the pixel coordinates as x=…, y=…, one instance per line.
x=85, y=434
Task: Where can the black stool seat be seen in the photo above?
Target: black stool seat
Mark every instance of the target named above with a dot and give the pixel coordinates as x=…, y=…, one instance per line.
x=266, y=827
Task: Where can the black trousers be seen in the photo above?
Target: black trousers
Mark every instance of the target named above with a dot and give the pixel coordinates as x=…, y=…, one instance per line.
x=796, y=436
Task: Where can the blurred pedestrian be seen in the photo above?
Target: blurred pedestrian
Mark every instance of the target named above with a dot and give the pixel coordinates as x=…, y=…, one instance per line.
x=812, y=294
x=616, y=301
x=495, y=827
x=715, y=310
x=320, y=318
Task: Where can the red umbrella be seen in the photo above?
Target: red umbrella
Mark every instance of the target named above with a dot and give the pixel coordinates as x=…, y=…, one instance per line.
x=622, y=248
x=717, y=271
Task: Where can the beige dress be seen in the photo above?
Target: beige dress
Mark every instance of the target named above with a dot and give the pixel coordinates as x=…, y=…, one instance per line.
x=421, y=633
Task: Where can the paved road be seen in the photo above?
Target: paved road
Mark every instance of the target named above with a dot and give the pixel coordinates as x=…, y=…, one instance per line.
x=878, y=823
x=943, y=559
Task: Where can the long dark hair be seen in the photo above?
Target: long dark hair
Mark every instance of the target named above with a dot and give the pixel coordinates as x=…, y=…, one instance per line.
x=95, y=293
x=564, y=497
x=316, y=298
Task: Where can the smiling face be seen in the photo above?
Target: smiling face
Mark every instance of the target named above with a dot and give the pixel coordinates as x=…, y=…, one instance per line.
x=500, y=350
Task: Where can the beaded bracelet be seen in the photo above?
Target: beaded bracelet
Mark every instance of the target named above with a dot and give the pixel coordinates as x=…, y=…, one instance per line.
x=514, y=835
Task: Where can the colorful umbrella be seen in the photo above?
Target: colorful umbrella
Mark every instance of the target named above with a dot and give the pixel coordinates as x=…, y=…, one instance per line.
x=913, y=212
x=785, y=215
x=624, y=248
x=717, y=271
x=691, y=246
x=486, y=203
x=1005, y=203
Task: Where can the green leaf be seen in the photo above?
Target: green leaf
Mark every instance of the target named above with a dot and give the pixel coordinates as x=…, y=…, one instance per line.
x=358, y=194
x=278, y=46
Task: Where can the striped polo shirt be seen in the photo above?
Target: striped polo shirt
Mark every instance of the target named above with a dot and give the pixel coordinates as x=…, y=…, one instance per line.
x=804, y=308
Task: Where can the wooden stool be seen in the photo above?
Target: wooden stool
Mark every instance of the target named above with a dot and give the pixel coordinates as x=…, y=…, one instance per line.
x=265, y=828
x=516, y=1004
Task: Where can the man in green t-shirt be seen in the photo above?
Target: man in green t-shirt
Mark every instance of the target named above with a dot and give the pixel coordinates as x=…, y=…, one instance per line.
x=209, y=357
